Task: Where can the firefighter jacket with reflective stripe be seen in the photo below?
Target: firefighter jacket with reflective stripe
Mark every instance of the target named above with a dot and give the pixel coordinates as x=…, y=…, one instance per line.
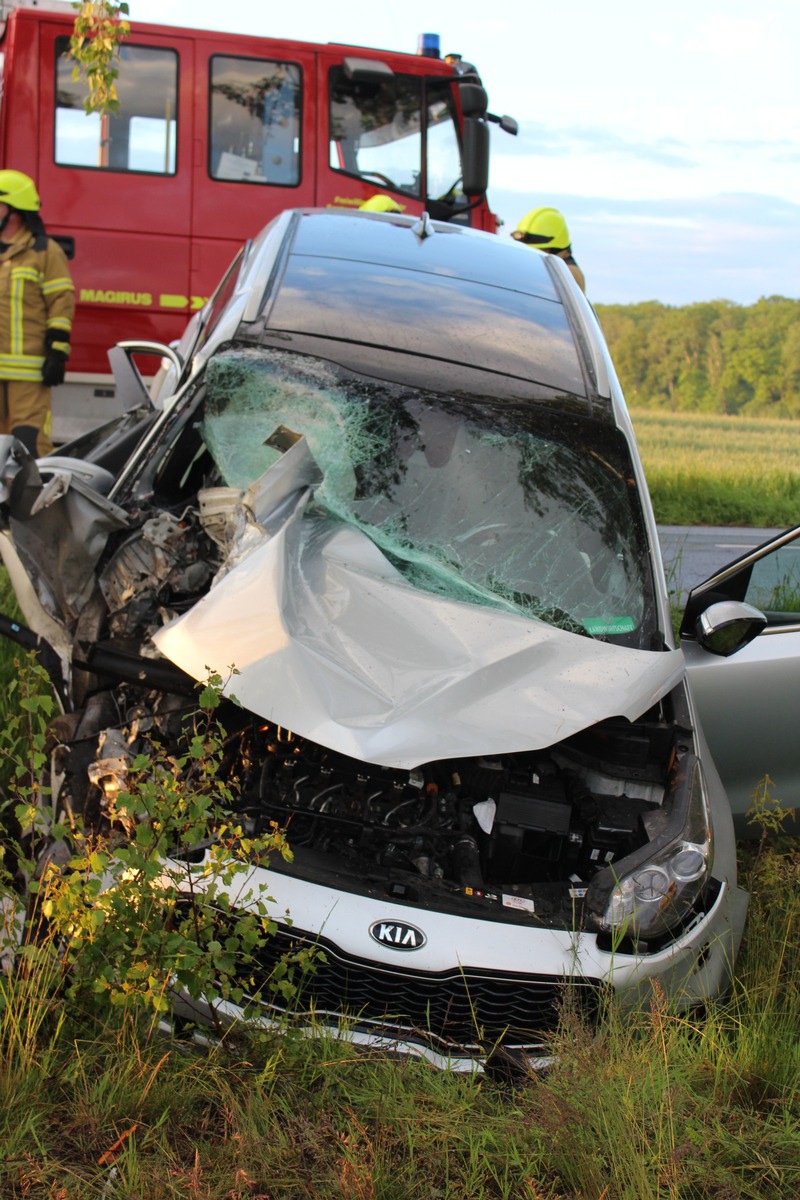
x=36, y=295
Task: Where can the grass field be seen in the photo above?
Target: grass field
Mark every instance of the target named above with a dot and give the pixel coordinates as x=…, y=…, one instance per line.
x=716, y=470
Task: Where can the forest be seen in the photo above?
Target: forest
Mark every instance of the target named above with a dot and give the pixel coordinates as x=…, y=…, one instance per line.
x=714, y=357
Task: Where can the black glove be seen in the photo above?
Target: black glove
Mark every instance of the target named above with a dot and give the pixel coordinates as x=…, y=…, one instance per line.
x=53, y=368
x=56, y=352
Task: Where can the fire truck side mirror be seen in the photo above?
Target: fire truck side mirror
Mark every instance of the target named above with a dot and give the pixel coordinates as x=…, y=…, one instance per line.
x=475, y=179
x=474, y=100
x=507, y=124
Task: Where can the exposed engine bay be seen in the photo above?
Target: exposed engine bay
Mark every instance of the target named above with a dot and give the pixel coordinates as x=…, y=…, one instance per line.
x=513, y=833
x=524, y=832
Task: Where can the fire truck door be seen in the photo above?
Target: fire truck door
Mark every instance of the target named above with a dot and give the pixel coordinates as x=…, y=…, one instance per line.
x=370, y=130
x=121, y=186
x=256, y=127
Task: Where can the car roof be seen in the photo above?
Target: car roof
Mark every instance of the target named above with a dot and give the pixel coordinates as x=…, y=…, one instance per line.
x=423, y=302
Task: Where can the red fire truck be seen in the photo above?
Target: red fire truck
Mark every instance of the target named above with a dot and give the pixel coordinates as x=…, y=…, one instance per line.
x=216, y=134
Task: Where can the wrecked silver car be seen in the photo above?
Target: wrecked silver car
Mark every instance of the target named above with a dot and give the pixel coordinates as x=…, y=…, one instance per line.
x=389, y=477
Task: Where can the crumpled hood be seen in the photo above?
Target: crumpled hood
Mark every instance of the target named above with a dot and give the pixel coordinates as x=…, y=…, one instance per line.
x=331, y=642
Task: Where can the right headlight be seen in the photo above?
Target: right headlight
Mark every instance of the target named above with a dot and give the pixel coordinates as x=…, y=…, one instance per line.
x=651, y=892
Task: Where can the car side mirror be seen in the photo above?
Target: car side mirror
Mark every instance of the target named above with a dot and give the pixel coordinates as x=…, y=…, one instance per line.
x=132, y=391
x=727, y=626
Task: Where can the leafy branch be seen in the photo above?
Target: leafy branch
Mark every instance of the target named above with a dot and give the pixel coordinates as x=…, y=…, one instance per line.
x=162, y=895
x=95, y=46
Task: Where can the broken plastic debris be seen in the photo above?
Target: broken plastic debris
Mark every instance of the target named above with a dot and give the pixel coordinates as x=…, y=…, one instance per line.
x=220, y=513
x=110, y=772
x=56, y=487
x=484, y=814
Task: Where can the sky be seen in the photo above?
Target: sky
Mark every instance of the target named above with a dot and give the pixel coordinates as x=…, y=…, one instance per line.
x=668, y=135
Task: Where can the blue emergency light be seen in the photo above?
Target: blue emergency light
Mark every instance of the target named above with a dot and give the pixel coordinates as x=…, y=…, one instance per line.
x=428, y=45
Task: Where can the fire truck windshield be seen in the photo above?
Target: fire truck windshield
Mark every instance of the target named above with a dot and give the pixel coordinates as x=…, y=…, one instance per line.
x=399, y=133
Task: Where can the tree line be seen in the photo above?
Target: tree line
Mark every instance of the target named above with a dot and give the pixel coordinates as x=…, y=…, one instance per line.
x=711, y=357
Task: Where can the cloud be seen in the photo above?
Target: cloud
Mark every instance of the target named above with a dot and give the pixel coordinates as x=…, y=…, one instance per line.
x=727, y=37
x=632, y=219
x=539, y=139
x=734, y=246
x=488, y=27
x=588, y=158
x=544, y=140
x=776, y=150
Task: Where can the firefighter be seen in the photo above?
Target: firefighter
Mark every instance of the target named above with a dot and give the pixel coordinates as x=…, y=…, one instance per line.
x=37, y=303
x=381, y=203
x=546, y=229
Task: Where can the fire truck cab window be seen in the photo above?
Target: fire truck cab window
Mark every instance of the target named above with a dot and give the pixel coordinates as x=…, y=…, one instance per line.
x=255, y=121
x=141, y=135
x=376, y=130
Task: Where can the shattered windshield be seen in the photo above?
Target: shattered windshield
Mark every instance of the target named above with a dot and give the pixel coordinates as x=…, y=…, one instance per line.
x=519, y=507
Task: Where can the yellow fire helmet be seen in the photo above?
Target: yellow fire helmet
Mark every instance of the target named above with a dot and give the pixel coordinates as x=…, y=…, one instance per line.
x=544, y=227
x=381, y=203
x=19, y=191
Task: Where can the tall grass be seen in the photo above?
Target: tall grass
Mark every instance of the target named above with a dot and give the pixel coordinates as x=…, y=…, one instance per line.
x=719, y=470
x=656, y=1106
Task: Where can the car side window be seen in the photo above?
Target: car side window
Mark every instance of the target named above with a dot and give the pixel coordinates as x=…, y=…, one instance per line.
x=774, y=584
x=141, y=136
x=255, y=121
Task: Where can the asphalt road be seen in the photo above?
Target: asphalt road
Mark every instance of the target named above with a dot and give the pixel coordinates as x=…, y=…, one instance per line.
x=693, y=552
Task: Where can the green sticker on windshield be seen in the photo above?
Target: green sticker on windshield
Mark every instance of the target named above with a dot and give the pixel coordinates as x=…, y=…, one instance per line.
x=608, y=626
